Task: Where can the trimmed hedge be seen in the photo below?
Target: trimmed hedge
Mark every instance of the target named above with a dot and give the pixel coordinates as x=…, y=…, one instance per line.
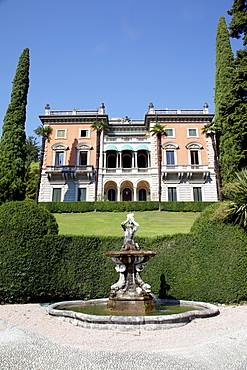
x=25, y=219
x=209, y=264
x=79, y=207
x=20, y=223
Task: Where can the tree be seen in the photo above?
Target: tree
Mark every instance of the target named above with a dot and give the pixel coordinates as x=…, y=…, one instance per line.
x=32, y=166
x=44, y=133
x=238, y=29
x=159, y=131
x=236, y=211
x=224, y=99
x=13, y=140
x=98, y=126
x=32, y=149
x=233, y=143
x=210, y=131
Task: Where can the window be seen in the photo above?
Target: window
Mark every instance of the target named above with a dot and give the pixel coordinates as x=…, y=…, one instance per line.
x=59, y=158
x=141, y=161
x=170, y=132
x=111, y=161
x=83, y=158
x=61, y=133
x=83, y=133
x=82, y=194
x=56, y=194
x=197, y=194
x=192, y=132
x=194, y=157
x=194, y=152
x=172, y=194
x=112, y=195
x=170, y=157
x=142, y=195
x=127, y=161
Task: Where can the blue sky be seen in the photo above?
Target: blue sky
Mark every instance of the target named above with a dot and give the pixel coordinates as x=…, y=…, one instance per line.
x=123, y=53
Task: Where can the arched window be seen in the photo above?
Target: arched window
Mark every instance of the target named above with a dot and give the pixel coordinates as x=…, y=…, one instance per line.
x=170, y=153
x=141, y=160
x=83, y=154
x=194, y=152
x=142, y=195
x=111, y=160
x=59, y=153
x=127, y=160
x=111, y=195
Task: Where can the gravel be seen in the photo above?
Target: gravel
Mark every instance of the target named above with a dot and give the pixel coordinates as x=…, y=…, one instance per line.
x=32, y=339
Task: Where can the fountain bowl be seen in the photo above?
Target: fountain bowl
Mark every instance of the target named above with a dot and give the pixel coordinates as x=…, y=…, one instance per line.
x=131, y=322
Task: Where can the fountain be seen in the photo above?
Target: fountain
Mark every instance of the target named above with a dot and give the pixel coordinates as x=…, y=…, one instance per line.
x=131, y=304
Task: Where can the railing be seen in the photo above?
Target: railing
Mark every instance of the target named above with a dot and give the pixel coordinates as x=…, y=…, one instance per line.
x=178, y=111
x=72, y=112
x=184, y=167
x=64, y=169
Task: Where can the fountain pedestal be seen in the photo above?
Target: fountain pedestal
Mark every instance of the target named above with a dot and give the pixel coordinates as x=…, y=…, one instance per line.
x=130, y=293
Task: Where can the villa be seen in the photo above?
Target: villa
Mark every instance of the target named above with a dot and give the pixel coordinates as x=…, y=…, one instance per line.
x=128, y=167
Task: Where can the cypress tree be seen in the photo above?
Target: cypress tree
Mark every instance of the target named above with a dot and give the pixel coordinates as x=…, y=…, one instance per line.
x=13, y=140
x=229, y=148
x=238, y=29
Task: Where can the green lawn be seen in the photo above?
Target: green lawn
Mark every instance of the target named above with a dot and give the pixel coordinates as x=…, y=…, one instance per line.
x=108, y=223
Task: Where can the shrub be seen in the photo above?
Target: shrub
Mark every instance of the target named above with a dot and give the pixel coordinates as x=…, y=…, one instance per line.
x=67, y=207
x=25, y=219
x=20, y=223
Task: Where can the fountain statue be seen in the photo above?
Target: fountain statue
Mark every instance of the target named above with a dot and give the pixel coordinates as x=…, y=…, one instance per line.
x=130, y=293
x=131, y=303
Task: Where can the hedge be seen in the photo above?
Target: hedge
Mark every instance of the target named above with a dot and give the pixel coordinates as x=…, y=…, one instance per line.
x=78, y=207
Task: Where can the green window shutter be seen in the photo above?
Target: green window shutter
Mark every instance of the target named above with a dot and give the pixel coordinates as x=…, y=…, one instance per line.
x=56, y=195
x=197, y=194
x=82, y=192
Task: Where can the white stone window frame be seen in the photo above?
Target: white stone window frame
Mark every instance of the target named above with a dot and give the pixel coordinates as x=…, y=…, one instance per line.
x=172, y=186
x=83, y=147
x=81, y=186
x=171, y=146
x=192, y=128
x=59, y=186
x=173, y=132
x=61, y=137
x=84, y=129
x=194, y=146
x=59, y=147
x=201, y=186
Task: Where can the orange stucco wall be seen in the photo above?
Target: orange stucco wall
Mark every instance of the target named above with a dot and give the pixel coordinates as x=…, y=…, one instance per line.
x=181, y=138
x=71, y=140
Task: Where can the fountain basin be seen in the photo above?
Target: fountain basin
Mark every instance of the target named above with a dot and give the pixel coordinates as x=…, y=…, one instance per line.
x=132, y=322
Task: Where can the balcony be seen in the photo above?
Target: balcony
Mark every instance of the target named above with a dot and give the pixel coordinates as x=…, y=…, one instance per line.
x=62, y=173
x=195, y=173
x=128, y=171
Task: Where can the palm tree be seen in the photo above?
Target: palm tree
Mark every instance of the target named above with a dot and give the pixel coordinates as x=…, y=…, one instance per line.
x=237, y=205
x=98, y=126
x=159, y=131
x=45, y=133
x=209, y=130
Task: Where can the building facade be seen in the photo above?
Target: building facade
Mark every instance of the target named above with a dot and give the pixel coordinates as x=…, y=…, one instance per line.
x=128, y=166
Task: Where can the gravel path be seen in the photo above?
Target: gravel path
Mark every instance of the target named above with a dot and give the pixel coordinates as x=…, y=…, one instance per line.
x=31, y=339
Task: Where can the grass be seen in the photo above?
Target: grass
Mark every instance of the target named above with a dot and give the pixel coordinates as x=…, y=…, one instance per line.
x=109, y=223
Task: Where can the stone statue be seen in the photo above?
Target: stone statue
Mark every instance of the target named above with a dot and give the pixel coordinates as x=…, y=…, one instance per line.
x=130, y=227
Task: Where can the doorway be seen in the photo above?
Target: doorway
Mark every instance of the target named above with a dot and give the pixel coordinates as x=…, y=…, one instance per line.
x=127, y=195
